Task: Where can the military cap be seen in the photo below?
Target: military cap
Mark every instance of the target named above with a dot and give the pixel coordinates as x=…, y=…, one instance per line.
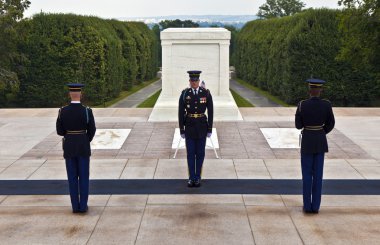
x=194, y=75
x=315, y=83
x=75, y=87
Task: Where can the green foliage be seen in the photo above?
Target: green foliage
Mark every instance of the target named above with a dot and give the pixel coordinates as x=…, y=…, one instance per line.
x=156, y=30
x=108, y=56
x=234, y=33
x=177, y=24
x=278, y=55
x=280, y=8
x=360, y=28
x=264, y=93
x=125, y=93
x=240, y=101
x=151, y=101
x=10, y=12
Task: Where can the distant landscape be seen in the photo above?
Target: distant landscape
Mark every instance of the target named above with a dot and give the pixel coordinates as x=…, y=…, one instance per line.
x=238, y=21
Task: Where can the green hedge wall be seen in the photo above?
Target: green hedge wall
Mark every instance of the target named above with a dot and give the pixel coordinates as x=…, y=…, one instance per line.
x=105, y=55
x=278, y=55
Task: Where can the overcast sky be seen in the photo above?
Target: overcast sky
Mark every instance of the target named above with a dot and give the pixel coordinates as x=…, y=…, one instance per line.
x=146, y=8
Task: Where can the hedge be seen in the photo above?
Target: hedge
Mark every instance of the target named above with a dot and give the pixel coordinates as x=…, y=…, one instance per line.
x=103, y=54
x=279, y=54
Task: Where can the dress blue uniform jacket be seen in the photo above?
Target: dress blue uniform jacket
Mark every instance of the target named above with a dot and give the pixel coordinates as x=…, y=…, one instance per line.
x=195, y=128
x=73, y=118
x=316, y=118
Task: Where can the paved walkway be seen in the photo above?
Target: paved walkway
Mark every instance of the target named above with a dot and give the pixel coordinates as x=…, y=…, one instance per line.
x=255, y=98
x=31, y=151
x=137, y=98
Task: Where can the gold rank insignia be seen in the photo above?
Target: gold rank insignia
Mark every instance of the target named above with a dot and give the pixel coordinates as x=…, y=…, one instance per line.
x=202, y=100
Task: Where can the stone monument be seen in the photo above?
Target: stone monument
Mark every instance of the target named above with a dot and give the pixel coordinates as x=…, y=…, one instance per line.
x=205, y=49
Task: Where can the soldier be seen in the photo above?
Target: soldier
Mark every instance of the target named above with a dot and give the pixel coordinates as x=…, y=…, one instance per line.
x=195, y=125
x=76, y=124
x=316, y=119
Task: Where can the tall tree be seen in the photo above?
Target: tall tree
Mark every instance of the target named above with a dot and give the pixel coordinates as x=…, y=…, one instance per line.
x=11, y=11
x=280, y=8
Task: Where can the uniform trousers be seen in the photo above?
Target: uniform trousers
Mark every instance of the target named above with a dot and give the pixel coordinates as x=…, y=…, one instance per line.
x=195, y=155
x=312, y=174
x=78, y=176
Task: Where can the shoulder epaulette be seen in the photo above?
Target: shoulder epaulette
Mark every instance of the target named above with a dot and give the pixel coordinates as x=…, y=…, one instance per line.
x=60, y=110
x=183, y=94
x=300, y=104
x=327, y=100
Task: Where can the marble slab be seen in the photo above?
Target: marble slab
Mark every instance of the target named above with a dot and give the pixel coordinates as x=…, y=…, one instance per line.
x=109, y=138
x=177, y=138
x=282, y=137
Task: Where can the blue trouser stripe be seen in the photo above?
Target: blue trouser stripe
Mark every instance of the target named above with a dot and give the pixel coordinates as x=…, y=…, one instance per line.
x=195, y=156
x=77, y=169
x=312, y=174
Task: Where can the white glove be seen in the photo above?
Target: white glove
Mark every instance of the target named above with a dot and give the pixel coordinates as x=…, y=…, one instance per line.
x=209, y=135
x=182, y=136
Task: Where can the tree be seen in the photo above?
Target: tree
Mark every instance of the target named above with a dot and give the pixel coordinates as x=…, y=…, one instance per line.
x=11, y=11
x=156, y=30
x=177, y=24
x=279, y=8
x=360, y=23
x=360, y=28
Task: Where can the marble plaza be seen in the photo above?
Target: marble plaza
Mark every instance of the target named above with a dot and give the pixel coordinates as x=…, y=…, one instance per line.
x=128, y=147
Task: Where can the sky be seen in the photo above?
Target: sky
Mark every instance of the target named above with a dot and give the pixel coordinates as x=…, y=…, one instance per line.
x=147, y=8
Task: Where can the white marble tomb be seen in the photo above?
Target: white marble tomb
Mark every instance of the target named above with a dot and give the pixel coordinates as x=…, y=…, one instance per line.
x=205, y=49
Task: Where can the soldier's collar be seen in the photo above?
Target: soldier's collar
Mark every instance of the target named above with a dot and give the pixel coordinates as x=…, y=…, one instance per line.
x=75, y=102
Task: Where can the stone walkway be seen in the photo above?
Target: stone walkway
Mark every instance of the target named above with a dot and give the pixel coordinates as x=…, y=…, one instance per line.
x=255, y=98
x=137, y=98
x=31, y=151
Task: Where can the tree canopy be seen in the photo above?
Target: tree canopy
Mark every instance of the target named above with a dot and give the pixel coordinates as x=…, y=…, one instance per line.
x=10, y=12
x=177, y=23
x=280, y=8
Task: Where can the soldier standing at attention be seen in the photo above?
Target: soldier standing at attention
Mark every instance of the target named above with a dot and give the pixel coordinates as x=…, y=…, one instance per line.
x=76, y=124
x=194, y=125
x=316, y=119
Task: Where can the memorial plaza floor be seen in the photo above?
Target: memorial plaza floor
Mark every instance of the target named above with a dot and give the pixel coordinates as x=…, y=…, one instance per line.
x=250, y=195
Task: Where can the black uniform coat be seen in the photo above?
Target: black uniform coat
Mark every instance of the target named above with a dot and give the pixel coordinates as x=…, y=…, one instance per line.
x=312, y=113
x=74, y=118
x=195, y=128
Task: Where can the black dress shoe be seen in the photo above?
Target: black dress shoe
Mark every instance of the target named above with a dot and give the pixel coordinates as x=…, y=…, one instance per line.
x=315, y=211
x=83, y=211
x=190, y=183
x=197, y=183
x=306, y=211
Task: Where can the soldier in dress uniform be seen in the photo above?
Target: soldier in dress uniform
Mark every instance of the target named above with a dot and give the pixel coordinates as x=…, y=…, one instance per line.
x=194, y=125
x=316, y=119
x=76, y=124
